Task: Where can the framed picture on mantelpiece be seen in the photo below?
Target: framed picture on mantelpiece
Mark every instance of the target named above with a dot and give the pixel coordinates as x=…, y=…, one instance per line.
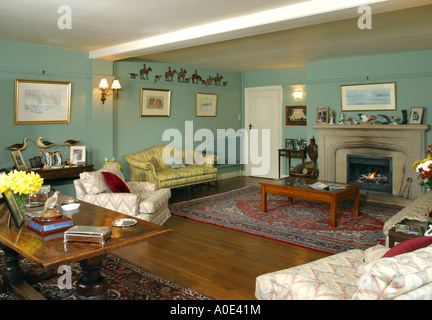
x=322, y=115
x=416, y=116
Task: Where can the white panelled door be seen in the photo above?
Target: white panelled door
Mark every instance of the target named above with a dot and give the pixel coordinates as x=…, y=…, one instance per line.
x=263, y=125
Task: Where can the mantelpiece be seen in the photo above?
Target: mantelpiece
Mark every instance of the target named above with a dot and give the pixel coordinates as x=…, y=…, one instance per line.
x=404, y=143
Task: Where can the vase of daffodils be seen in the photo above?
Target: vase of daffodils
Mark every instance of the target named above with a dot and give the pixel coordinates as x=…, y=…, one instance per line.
x=424, y=168
x=21, y=184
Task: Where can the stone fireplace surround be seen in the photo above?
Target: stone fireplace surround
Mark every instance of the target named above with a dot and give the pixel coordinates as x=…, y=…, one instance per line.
x=405, y=144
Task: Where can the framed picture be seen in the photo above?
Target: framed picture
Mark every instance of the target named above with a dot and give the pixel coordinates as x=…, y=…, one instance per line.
x=289, y=144
x=323, y=115
x=295, y=116
x=77, y=155
x=18, y=160
x=369, y=97
x=15, y=212
x=155, y=103
x=206, y=105
x=42, y=101
x=416, y=116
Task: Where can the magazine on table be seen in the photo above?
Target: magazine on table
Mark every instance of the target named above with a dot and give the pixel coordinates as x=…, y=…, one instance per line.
x=322, y=186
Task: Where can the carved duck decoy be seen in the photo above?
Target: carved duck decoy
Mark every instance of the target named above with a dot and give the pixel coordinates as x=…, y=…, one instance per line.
x=43, y=143
x=18, y=146
x=69, y=142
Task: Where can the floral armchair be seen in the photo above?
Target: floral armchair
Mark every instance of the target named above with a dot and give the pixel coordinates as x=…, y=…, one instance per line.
x=107, y=188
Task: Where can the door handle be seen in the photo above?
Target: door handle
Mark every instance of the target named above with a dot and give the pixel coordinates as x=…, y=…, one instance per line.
x=250, y=126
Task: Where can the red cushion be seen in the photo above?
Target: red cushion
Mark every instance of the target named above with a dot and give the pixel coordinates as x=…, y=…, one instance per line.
x=408, y=246
x=115, y=183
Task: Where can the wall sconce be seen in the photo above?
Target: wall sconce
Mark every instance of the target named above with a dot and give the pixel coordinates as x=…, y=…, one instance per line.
x=103, y=85
x=298, y=94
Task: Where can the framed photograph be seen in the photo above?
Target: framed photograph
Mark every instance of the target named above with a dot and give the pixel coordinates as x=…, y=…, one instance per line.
x=323, y=115
x=15, y=212
x=369, y=97
x=206, y=105
x=77, y=155
x=42, y=101
x=155, y=103
x=295, y=116
x=289, y=144
x=416, y=116
x=18, y=160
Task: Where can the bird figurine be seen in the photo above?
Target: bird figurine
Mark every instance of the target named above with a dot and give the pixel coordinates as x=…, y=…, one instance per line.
x=69, y=142
x=19, y=146
x=51, y=202
x=43, y=143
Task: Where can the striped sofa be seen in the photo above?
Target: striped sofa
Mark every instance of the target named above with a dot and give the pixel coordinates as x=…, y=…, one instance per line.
x=143, y=199
x=355, y=275
x=170, y=167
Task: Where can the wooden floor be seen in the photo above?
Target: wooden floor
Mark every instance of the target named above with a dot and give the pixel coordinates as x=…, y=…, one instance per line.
x=216, y=261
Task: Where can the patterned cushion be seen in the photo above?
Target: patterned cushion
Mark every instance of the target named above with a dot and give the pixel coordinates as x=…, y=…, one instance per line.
x=115, y=183
x=406, y=276
x=94, y=181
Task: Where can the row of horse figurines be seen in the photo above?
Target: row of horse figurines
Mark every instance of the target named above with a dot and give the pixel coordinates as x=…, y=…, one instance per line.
x=181, y=77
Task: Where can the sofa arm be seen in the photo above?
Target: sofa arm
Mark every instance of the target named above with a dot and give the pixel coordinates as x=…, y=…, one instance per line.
x=142, y=170
x=126, y=203
x=79, y=189
x=141, y=186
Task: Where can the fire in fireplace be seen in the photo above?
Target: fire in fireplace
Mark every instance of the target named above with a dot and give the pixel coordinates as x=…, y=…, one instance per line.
x=371, y=172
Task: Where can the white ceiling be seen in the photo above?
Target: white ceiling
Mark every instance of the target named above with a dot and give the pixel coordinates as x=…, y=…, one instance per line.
x=244, y=35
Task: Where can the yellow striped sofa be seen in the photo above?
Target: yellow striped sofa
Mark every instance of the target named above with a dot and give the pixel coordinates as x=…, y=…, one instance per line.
x=158, y=165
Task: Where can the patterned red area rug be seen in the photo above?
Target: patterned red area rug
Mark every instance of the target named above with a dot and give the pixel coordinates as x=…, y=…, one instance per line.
x=125, y=282
x=305, y=223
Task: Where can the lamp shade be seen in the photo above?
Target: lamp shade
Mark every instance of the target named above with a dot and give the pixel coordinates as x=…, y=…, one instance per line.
x=116, y=84
x=103, y=84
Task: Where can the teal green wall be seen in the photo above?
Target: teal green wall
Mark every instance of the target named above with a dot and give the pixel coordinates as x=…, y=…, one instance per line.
x=134, y=133
x=411, y=71
x=115, y=129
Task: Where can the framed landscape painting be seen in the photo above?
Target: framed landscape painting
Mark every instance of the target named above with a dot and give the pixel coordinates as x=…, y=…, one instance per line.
x=369, y=97
x=42, y=101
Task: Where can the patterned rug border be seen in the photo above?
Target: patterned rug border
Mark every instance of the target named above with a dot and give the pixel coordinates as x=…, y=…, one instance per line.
x=162, y=288
x=396, y=206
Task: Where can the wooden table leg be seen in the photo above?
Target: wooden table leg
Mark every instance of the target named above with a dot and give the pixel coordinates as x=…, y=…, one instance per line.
x=15, y=278
x=333, y=213
x=357, y=203
x=263, y=199
x=92, y=285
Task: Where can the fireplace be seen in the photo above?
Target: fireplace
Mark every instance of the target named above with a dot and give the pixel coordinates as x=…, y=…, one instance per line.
x=373, y=173
x=404, y=144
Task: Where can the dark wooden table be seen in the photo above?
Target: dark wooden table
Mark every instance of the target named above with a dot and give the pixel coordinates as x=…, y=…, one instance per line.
x=55, y=252
x=64, y=172
x=299, y=188
x=290, y=153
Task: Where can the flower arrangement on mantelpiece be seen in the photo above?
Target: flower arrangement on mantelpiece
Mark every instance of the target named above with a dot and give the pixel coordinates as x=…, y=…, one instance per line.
x=424, y=167
x=21, y=184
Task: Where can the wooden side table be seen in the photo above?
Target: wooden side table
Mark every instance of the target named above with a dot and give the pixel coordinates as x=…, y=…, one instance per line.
x=398, y=237
x=64, y=173
x=290, y=154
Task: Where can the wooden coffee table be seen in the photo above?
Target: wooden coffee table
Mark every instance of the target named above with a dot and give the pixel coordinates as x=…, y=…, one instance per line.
x=52, y=253
x=299, y=188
